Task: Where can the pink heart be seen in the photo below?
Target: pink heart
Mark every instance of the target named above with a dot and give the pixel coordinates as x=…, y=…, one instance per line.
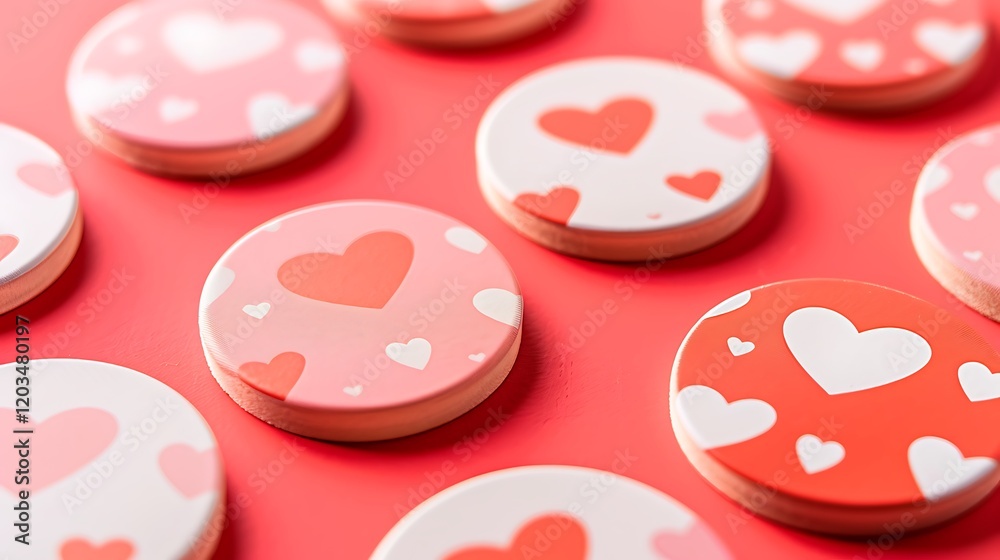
x=61, y=445
x=46, y=179
x=191, y=472
x=698, y=543
x=7, y=245
x=741, y=125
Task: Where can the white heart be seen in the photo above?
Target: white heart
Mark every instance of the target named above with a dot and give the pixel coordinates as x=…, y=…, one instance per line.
x=862, y=55
x=837, y=11
x=477, y=357
x=258, y=311
x=818, y=456
x=978, y=382
x=738, y=347
x=317, y=56
x=501, y=6
x=951, y=44
x=415, y=353
x=93, y=92
x=966, y=211
x=354, y=390
x=974, y=256
x=205, y=43
x=500, y=305
x=785, y=56
x=219, y=280
x=941, y=470
x=175, y=109
x=127, y=45
x=466, y=239
x=273, y=113
x=934, y=178
x=712, y=422
x=842, y=360
x=731, y=304
x=992, y=181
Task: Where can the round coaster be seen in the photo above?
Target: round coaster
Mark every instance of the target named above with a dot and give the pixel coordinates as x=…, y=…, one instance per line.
x=455, y=23
x=623, y=159
x=360, y=320
x=955, y=220
x=857, y=54
x=40, y=221
x=839, y=407
x=551, y=513
x=115, y=465
x=185, y=87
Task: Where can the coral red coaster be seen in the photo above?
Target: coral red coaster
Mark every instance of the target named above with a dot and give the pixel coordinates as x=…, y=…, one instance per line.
x=859, y=54
x=623, y=158
x=451, y=23
x=361, y=320
x=117, y=466
x=40, y=222
x=551, y=513
x=188, y=87
x=955, y=220
x=839, y=406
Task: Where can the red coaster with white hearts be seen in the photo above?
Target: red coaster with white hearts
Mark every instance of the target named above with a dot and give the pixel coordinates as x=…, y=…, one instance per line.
x=623, y=159
x=185, y=87
x=851, y=54
x=455, y=23
x=361, y=320
x=839, y=406
x=551, y=513
x=955, y=219
x=121, y=467
x=40, y=221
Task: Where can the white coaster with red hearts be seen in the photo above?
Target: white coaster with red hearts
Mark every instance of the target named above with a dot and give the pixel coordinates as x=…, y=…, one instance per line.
x=119, y=466
x=40, y=223
x=552, y=513
x=623, y=158
x=844, y=408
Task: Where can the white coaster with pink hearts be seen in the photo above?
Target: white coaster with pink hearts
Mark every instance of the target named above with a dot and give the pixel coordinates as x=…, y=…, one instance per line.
x=118, y=466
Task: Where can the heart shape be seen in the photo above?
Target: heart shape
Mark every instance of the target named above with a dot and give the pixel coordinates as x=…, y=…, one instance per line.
x=948, y=43
x=965, y=210
x=477, y=357
x=739, y=347
x=617, y=127
x=317, y=56
x=978, y=382
x=354, y=390
x=741, y=125
x=817, y=455
x=992, y=182
x=840, y=11
x=94, y=92
x=63, y=444
x=191, y=472
x=176, y=109
x=865, y=55
x=842, y=360
x=710, y=421
x=46, y=179
x=275, y=378
x=206, y=43
x=784, y=56
x=367, y=274
x=941, y=470
x=415, y=353
x=271, y=114
x=7, y=245
x=258, y=311
x=557, y=206
x=465, y=239
x=81, y=549
x=564, y=536
x=702, y=186
x=500, y=305
x=974, y=256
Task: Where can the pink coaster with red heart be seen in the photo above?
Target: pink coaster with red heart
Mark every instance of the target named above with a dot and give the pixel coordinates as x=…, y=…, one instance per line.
x=552, y=513
x=361, y=320
x=111, y=445
x=623, y=158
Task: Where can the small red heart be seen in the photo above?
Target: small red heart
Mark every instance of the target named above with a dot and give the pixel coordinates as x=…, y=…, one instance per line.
x=550, y=537
x=741, y=125
x=616, y=127
x=46, y=179
x=81, y=549
x=557, y=206
x=704, y=185
x=366, y=275
x=191, y=472
x=7, y=245
x=276, y=378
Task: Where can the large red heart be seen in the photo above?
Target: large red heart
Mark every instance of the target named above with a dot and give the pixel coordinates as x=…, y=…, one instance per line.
x=82, y=549
x=45, y=179
x=7, y=245
x=191, y=472
x=550, y=537
x=557, y=206
x=617, y=127
x=61, y=445
x=276, y=378
x=366, y=275
x=704, y=185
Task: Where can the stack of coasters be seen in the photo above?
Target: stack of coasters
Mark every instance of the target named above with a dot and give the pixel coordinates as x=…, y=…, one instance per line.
x=360, y=320
x=840, y=407
x=40, y=220
x=857, y=54
x=955, y=219
x=623, y=159
x=184, y=87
